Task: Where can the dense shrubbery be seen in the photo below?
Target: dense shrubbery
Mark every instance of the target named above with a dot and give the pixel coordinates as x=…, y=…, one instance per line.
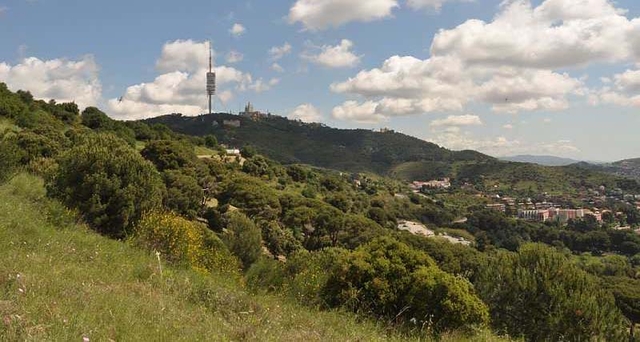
x=108, y=182
x=388, y=278
x=169, y=154
x=544, y=297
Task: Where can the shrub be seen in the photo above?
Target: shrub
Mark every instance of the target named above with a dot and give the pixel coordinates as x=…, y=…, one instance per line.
x=108, y=182
x=266, y=275
x=243, y=238
x=308, y=273
x=184, y=195
x=539, y=294
x=10, y=156
x=169, y=154
x=183, y=242
x=386, y=278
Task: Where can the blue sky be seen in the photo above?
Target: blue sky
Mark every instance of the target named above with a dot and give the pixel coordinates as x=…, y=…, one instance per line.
x=556, y=77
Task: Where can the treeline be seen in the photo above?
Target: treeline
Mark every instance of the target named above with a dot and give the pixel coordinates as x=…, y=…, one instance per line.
x=327, y=239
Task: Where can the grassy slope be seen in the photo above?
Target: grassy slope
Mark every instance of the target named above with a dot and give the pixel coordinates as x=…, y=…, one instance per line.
x=65, y=283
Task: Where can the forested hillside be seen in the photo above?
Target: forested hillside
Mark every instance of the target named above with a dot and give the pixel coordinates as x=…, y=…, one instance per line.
x=187, y=225
x=385, y=153
x=292, y=142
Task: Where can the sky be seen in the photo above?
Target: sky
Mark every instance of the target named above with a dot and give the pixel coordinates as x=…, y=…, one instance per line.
x=504, y=77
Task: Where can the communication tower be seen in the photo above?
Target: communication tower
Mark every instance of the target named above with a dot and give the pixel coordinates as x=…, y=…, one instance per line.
x=211, y=80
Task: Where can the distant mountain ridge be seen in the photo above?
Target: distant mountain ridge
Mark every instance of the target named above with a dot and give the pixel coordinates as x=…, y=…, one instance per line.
x=629, y=168
x=290, y=141
x=544, y=160
x=387, y=153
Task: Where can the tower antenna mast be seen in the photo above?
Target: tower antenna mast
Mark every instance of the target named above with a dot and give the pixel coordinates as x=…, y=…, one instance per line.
x=211, y=79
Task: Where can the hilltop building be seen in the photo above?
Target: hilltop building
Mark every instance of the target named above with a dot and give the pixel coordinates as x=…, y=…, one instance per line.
x=250, y=112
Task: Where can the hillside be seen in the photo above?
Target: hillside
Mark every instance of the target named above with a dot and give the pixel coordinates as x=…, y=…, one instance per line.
x=60, y=281
x=196, y=243
x=292, y=142
x=541, y=160
x=388, y=154
x=629, y=168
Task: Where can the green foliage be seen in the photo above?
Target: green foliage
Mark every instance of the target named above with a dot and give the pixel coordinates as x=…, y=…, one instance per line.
x=184, y=194
x=266, y=275
x=169, y=154
x=248, y=151
x=10, y=155
x=252, y=196
x=108, y=182
x=627, y=294
x=297, y=173
x=258, y=166
x=387, y=278
x=94, y=118
x=211, y=141
x=537, y=293
x=278, y=240
x=308, y=272
x=183, y=242
x=11, y=105
x=243, y=238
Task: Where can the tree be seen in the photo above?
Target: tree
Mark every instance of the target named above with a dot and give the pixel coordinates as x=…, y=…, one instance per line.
x=94, y=118
x=539, y=294
x=211, y=141
x=169, y=154
x=627, y=294
x=252, y=196
x=243, y=238
x=387, y=278
x=184, y=195
x=108, y=182
x=247, y=151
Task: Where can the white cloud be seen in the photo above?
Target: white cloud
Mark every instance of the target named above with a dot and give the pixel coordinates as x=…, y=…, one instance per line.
x=260, y=85
x=517, y=90
x=457, y=120
x=509, y=62
x=234, y=57
x=431, y=4
x=624, y=90
x=557, y=33
x=60, y=79
x=179, y=88
x=277, y=52
x=339, y=56
x=306, y=113
x=322, y=14
x=628, y=81
x=277, y=67
x=183, y=55
x=237, y=30
x=507, y=126
x=362, y=113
